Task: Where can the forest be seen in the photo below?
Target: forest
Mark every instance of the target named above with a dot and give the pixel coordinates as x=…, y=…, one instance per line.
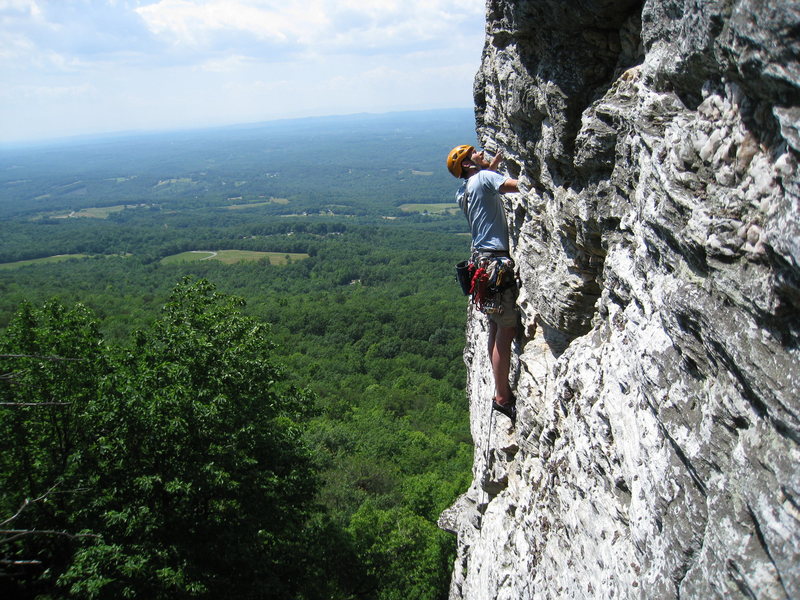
x=257, y=429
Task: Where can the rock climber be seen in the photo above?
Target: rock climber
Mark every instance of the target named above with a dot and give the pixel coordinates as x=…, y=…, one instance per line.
x=479, y=198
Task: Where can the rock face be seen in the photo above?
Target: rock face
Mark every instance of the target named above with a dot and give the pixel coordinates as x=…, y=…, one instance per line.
x=657, y=451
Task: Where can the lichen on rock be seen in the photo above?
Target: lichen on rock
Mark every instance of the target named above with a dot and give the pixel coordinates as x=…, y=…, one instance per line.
x=657, y=368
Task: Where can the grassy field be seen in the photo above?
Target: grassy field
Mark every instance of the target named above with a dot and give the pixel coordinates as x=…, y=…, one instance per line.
x=98, y=212
x=431, y=209
x=254, y=204
x=230, y=257
x=94, y=212
x=175, y=180
x=47, y=259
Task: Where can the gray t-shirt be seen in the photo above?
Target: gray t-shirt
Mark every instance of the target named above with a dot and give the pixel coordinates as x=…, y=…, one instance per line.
x=479, y=198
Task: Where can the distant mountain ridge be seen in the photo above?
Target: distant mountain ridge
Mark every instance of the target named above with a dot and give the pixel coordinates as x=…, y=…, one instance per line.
x=340, y=160
x=298, y=124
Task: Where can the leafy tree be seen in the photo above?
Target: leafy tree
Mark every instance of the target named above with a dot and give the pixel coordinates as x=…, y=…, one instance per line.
x=406, y=556
x=51, y=361
x=185, y=472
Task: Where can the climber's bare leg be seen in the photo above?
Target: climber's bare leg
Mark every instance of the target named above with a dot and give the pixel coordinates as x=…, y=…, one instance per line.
x=500, y=339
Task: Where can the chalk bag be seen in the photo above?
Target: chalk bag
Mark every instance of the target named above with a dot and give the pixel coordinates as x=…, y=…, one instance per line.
x=464, y=272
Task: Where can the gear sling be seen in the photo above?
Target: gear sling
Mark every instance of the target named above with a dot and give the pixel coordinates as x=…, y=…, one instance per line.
x=485, y=277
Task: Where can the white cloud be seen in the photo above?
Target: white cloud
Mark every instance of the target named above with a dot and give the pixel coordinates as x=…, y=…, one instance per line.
x=71, y=66
x=19, y=6
x=196, y=23
x=226, y=64
x=13, y=46
x=339, y=25
x=45, y=93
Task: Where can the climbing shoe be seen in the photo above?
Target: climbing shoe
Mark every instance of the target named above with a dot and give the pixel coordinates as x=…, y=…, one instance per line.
x=509, y=410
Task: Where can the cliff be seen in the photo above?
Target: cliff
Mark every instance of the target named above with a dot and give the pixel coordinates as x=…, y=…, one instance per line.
x=657, y=368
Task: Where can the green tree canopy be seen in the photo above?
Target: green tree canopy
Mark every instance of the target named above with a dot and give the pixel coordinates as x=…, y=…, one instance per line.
x=177, y=460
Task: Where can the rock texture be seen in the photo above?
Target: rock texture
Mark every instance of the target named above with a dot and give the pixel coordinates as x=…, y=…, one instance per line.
x=657, y=452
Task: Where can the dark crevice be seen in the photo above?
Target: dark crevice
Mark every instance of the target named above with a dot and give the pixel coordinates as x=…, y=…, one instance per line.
x=757, y=404
x=786, y=431
x=695, y=258
x=684, y=568
x=765, y=547
x=790, y=498
x=701, y=487
x=738, y=578
x=733, y=424
x=741, y=423
x=689, y=325
x=690, y=366
x=788, y=290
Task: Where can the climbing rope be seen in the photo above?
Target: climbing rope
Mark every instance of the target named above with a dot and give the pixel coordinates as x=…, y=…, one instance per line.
x=486, y=464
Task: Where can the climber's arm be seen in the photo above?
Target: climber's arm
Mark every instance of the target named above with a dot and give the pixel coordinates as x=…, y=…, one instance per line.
x=495, y=161
x=509, y=186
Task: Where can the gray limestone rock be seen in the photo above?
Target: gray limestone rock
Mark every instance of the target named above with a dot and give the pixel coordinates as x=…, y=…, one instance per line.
x=657, y=448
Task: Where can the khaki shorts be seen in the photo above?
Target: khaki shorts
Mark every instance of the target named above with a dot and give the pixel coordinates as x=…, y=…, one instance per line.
x=506, y=316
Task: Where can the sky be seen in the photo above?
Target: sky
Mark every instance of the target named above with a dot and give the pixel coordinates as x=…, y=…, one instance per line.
x=74, y=67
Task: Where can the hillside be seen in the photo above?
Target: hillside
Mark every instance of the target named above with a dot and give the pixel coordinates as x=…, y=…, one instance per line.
x=273, y=376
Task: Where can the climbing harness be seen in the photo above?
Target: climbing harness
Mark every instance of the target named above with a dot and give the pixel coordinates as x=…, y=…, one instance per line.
x=485, y=277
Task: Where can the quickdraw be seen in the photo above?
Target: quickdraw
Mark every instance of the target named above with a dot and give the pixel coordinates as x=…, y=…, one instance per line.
x=479, y=287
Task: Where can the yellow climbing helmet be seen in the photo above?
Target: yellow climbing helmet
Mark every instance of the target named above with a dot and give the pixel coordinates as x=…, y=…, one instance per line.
x=457, y=156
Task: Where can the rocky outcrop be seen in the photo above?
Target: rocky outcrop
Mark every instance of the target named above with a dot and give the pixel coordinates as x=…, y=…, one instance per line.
x=657, y=451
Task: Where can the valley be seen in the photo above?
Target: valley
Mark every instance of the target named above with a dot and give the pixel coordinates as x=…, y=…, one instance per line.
x=362, y=310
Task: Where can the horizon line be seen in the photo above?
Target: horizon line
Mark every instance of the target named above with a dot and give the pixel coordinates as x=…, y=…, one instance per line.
x=100, y=135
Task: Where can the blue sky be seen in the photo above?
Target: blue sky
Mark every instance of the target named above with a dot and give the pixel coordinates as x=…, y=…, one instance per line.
x=72, y=67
